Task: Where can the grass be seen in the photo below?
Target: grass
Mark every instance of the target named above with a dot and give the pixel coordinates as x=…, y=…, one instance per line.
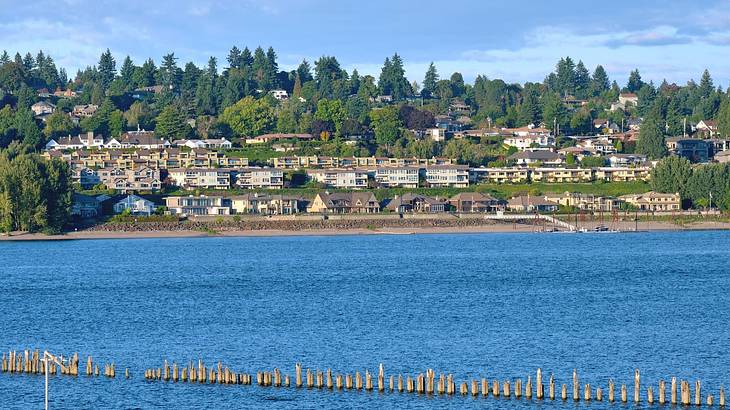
x=503, y=191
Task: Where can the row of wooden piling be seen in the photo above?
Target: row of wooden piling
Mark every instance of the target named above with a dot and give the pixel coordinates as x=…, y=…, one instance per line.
x=31, y=362
x=680, y=391
x=219, y=374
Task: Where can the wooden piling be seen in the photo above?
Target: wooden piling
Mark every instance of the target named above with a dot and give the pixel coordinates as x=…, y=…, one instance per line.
x=358, y=381
x=391, y=383
x=650, y=395
x=698, y=394
x=329, y=379
x=518, y=388
x=381, y=378
x=338, y=382
x=599, y=394
x=474, y=387
x=587, y=392
x=409, y=384
x=184, y=374
x=495, y=388
x=485, y=387
x=624, y=397
x=348, y=381
x=538, y=385
x=722, y=397
x=506, y=389
x=576, y=393
x=463, y=389
x=528, y=388
x=662, y=392
x=552, y=387
x=637, y=386
x=564, y=392
x=673, y=391
x=368, y=381
x=400, y=383
x=710, y=400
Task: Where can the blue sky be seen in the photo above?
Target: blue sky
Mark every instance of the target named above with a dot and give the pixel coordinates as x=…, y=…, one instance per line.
x=514, y=40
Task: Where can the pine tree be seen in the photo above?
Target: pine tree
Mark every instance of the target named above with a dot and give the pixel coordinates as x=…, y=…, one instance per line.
x=246, y=58
x=234, y=58
x=4, y=58
x=272, y=69
x=706, y=86
x=651, y=137
x=205, y=94
x=634, y=84
x=126, y=74
x=171, y=123
x=107, y=69
x=599, y=82
x=304, y=72
x=170, y=75
x=429, y=81
x=582, y=81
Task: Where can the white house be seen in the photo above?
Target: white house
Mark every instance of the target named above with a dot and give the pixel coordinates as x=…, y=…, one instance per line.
x=136, y=205
x=42, y=108
x=280, y=94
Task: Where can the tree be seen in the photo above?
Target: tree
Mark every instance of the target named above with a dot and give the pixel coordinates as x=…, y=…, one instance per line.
x=331, y=111
x=139, y=115
x=429, y=81
x=249, y=117
x=107, y=69
x=582, y=81
x=234, y=58
x=651, y=138
x=27, y=129
x=671, y=175
x=457, y=84
x=723, y=117
x=592, y=162
x=126, y=74
x=634, y=84
x=392, y=79
x=170, y=74
x=386, y=124
x=205, y=93
x=171, y=123
x=58, y=124
x=706, y=87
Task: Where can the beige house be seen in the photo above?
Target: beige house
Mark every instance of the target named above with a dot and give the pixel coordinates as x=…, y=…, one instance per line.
x=562, y=175
x=654, y=201
x=402, y=177
x=456, y=176
x=260, y=178
x=340, y=178
x=510, y=175
x=468, y=202
x=344, y=203
x=584, y=202
x=211, y=178
x=264, y=204
x=197, y=205
x=622, y=174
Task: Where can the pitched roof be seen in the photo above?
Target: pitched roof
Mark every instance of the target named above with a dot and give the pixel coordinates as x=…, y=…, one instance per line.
x=472, y=197
x=536, y=155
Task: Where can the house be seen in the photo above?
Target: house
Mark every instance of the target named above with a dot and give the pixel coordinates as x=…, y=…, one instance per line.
x=626, y=160
x=456, y=176
x=220, y=143
x=600, y=145
x=85, y=206
x=82, y=141
x=622, y=174
x=136, y=205
x=547, y=158
x=340, y=178
x=524, y=142
x=279, y=94
x=43, y=108
x=344, y=203
x=198, y=205
x=511, y=175
x=83, y=111
x=266, y=138
x=260, y=178
x=209, y=178
x=410, y=202
x=131, y=179
x=586, y=202
x=142, y=139
x=470, y=202
x=401, y=177
x=265, y=204
x=527, y=203
x=68, y=93
x=551, y=175
x=707, y=127
x=695, y=150
x=654, y=201
x=436, y=134
x=628, y=98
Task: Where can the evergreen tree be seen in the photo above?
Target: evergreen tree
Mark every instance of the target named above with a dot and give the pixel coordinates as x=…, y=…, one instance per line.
x=599, y=81
x=634, y=84
x=107, y=69
x=246, y=58
x=170, y=75
x=126, y=74
x=272, y=69
x=565, y=76
x=706, y=88
x=457, y=84
x=723, y=117
x=171, y=123
x=582, y=81
x=671, y=175
x=429, y=81
x=304, y=72
x=27, y=129
x=530, y=108
x=4, y=58
x=205, y=94
x=651, y=137
x=234, y=58
x=145, y=75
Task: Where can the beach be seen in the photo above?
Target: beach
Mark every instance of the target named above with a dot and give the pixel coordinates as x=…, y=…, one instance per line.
x=625, y=226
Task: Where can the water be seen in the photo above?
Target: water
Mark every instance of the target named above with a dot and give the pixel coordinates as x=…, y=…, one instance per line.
x=494, y=305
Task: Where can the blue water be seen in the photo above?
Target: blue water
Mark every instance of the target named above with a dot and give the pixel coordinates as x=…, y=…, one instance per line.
x=476, y=305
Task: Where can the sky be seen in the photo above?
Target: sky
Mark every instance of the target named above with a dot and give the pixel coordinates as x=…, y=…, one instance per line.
x=514, y=40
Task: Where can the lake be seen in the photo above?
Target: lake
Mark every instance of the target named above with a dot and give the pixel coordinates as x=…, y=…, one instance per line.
x=477, y=305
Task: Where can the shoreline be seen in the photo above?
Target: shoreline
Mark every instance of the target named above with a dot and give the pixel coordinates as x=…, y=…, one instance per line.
x=481, y=229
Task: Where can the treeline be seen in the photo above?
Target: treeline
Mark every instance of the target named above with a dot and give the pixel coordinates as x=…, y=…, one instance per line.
x=35, y=195
x=328, y=101
x=699, y=185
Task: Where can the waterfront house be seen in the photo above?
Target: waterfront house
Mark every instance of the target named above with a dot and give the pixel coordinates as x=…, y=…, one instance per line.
x=540, y=157
x=585, y=202
x=470, y=202
x=552, y=175
x=528, y=203
x=654, y=201
x=622, y=174
x=141, y=178
x=344, y=203
x=85, y=206
x=695, y=150
x=267, y=138
x=142, y=139
x=265, y=204
x=411, y=202
x=512, y=175
x=197, y=205
x=136, y=205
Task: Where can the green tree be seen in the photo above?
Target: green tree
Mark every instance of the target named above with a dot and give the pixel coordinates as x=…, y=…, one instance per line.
x=429, y=81
x=332, y=111
x=651, y=138
x=27, y=129
x=107, y=69
x=386, y=124
x=723, y=117
x=671, y=175
x=171, y=123
x=58, y=124
x=249, y=117
x=635, y=83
